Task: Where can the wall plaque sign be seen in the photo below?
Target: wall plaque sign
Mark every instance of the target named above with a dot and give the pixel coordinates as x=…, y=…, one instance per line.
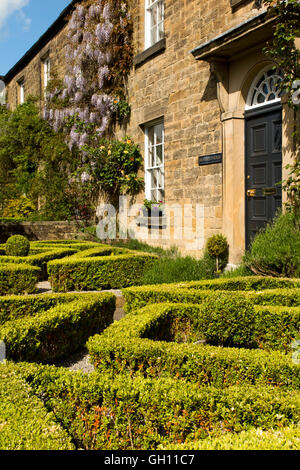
x=210, y=159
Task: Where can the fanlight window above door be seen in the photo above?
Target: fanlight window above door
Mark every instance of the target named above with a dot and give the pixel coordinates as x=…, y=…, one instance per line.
x=266, y=89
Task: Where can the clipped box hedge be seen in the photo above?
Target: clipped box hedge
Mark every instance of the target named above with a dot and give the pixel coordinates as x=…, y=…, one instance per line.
x=139, y=296
x=125, y=346
x=39, y=260
x=16, y=307
x=25, y=424
x=249, y=283
x=99, y=268
x=253, y=439
x=46, y=334
x=276, y=327
x=18, y=278
x=107, y=412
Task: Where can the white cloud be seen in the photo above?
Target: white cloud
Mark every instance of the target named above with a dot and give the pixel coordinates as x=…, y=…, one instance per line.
x=7, y=7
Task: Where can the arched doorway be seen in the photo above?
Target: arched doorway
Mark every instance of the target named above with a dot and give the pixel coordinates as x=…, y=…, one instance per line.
x=263, y=151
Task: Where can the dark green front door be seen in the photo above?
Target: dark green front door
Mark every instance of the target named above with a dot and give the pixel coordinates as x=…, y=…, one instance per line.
x=263, y=167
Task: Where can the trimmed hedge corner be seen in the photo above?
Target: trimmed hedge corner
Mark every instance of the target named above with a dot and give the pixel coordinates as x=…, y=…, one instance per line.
x=126, y=346
x=137, y=297
x=18, y=279
x=98, y=269
x=47, y=334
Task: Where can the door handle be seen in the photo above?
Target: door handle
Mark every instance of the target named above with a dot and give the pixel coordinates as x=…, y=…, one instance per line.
x=251, y=192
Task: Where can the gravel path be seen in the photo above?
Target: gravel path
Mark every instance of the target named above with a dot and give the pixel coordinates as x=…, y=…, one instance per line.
x=78, y=362
x=81, y=360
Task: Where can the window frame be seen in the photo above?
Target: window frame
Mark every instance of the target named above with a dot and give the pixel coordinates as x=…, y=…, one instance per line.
x=148, y=23
x=149, y=169
x=46, y=71
x=21, y=85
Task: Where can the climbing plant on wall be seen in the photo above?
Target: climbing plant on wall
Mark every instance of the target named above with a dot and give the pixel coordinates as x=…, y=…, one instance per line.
x=99, y=58
x=284, y=52
x=92, y=98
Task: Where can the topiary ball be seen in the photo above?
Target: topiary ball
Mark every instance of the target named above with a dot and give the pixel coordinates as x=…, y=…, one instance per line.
x=17, y=245
x=217, y=245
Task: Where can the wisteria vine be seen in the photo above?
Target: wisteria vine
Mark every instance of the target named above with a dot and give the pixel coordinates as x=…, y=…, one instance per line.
x=98, y=58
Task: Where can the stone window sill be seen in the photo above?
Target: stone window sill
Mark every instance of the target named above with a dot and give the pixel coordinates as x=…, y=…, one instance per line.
x=149, y=53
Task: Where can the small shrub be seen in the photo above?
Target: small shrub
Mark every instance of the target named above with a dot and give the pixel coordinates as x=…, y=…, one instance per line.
x=237, y=272
x=275, y=251
x=217, y=246
x=17, y=245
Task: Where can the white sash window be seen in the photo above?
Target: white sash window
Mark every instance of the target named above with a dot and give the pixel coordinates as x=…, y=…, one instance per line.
x=154, y=162
x=154, y=23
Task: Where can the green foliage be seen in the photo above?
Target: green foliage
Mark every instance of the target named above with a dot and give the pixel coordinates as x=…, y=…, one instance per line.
x=49, y=335
x=101, y=268
x=260, y=290
x=227, y=321
x=286, y=55
x=240, y=271
x=18, y=279
x=22, y=208
x=25, y=422
x=112, y=166
x=276, y=327
x=17, y=245
x=217, y=246
x=283, y=49
x=108, y=412
x=43, y=252
x=276, y=249
x=179, y=269
x=35, y=161
x=141, y=343
x=16, y=307
x=133, y=244
x=254, y=439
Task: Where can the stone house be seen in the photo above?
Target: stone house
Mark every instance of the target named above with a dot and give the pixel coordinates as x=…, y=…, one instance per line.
x=205, y=111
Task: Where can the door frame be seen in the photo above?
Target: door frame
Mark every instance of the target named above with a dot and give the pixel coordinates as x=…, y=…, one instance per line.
x=249, y=113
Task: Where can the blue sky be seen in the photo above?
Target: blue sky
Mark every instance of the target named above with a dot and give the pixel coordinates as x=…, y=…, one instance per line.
x=22, y=22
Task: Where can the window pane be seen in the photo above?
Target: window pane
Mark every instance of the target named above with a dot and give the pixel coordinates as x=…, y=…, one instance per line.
x=151, y=161
x=150, y=136
x=153, y=16
x=154, y=195
x=160, y=179
x=159, y=134
x=160, y=14
x=159, y=155
x=154, y=179
x=160, y=195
